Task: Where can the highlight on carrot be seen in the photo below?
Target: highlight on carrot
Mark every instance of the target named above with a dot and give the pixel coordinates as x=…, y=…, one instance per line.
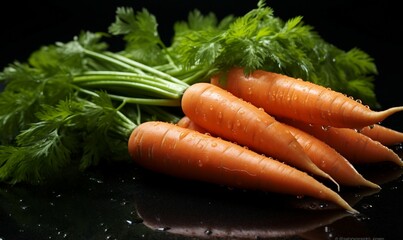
x=330, y=161
x=222, y=114
x=354, y=146
x=284, y=96
x=382, y=134
x=169, y=149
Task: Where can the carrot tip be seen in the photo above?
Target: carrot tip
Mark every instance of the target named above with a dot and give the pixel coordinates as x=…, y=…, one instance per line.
x=372, y=185
x=353, y=211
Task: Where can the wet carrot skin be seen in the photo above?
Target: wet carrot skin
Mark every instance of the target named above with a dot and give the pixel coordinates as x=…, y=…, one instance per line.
x=324, y=156
x=225, y=115
x=330, y=161
x=357, y=148
x=184, y=153
x=293, y=98
x=382, y=134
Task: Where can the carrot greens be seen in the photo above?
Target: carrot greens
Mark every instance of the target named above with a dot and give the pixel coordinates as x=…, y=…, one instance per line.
x=74, y=104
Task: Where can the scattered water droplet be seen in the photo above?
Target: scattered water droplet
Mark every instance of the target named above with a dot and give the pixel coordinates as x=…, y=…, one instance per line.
x=163, y=228
x=362, y=218
x=366, y=206
x=96, y=180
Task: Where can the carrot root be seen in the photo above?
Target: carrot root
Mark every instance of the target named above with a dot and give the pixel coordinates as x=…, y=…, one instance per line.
x=185, y=153
x=224, y=115
x=288, y=97
x=382, y=134
x=330, y=161
x=357, y=148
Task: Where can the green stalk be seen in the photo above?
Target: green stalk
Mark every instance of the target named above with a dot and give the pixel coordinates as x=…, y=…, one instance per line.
x=147, y=101
x=145, y=68
x=131, y=77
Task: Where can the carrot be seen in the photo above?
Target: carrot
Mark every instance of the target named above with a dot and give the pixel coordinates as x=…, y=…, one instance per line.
x=185, y=122
x=225, y=115
x=169, y=149
x=382, y=134
x=324, y=156
x=354, y=146
x=330, y=161
x=284, y=96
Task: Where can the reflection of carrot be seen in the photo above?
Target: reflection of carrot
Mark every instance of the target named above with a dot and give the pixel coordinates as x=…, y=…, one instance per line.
x=354, y=146
x=229, y=117
x=330, y=161
x=180, y=152
x=384, y=135
x=288, y=97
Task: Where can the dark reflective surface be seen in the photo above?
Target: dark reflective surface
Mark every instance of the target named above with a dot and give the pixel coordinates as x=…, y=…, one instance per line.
x=124, y=202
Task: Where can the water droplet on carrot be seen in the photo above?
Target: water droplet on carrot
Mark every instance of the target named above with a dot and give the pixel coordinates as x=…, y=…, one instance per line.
x=325, y=128
x=182, y=135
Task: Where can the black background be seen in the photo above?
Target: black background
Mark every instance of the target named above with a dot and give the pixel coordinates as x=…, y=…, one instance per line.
x=373, y=26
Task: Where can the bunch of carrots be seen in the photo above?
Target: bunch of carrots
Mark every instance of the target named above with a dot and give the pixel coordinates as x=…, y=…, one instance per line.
x=270, y=132
x=244, y=123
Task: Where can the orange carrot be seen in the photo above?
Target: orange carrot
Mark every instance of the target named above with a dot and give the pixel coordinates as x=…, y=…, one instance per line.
x=382, y=134
x=185, y=122
x=293, y=98
x=330, y=161
x=184, y=153
x=324, y=156
x=354, y=146
x=225, y=115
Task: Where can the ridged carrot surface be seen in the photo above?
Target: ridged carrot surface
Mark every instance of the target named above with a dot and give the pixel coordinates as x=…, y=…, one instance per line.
x=354, y=146
x=284, y=96
x=382, y=134
x=227, y=116
x=184, y=153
